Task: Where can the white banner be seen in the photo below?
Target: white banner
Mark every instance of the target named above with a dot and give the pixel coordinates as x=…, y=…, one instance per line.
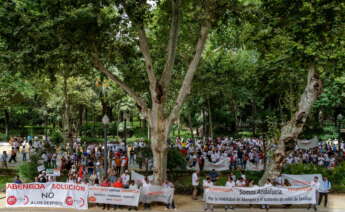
x=252, y=167
x=138, y=178
x=300, y=180
x=53, y=172
x=115, y=196
x=308, y=144
x=260, y=195
x=47, y=195
x=221, y=165
x=155, y=193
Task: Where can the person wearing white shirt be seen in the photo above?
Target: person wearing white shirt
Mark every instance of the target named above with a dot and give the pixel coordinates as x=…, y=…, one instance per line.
x=315, y=184
x=125, y=179
x=206, y=184
x=324, y=188
x=240, y=182
x=195, y=184
x=229, y=184
x=268, y=183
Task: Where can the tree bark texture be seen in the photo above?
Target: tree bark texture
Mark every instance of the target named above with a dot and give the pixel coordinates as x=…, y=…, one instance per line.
x=294, y=127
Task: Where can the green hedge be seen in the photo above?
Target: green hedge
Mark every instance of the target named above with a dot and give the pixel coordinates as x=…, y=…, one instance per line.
x=336, y=175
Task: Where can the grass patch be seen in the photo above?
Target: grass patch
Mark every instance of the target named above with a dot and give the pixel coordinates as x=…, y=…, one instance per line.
x=5, y=179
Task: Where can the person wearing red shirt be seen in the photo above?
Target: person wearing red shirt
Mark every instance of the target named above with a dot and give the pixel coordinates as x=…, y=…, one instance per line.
x=105, y=183
x=117, y=184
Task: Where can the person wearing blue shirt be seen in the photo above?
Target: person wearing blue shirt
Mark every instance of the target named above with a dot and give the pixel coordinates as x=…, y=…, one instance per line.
x=325, y=186
x=17, y=180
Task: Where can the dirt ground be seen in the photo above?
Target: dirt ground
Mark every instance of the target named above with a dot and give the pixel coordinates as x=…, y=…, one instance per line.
x=186, y=204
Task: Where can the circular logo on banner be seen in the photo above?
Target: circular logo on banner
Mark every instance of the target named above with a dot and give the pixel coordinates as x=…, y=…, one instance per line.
x=82, y=202
x=26, y=200
x=11, y=200
x=92, y=199
x=69, y=201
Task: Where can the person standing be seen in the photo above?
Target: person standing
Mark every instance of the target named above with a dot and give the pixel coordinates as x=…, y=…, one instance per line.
x=4, y=157
x=195, y=183
x=229, y=184
x=168, y=184
x=315, y=184
x=17, y=180
x=24, y=153
x=105, y=183
x=206, y=184
x=132, y=186
x=13, y=155
x=267, y=184
x=325, y=186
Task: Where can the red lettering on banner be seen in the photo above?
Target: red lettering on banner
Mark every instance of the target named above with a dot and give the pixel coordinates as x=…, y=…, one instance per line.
x=25, y=186
x=68, y=187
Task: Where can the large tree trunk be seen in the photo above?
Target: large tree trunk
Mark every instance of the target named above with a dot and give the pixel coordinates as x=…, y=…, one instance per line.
x=159, y=135
x=294, y=127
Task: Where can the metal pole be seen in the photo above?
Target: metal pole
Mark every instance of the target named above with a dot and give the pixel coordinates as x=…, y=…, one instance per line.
x=339, y=137
x=105, y=151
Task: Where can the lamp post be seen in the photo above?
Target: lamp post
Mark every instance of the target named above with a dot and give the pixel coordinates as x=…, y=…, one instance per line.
x=339, y=119
x=105, y=121
x=125, y=126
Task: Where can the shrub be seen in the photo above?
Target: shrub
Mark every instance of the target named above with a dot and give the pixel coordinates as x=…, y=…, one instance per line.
x=28, y=170
x=91, y=139
x=56, y=137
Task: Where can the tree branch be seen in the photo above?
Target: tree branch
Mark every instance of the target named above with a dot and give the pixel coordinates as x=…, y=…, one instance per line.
x=144, y=48
x=98, y=65
x=187, y=82
x=172, y=45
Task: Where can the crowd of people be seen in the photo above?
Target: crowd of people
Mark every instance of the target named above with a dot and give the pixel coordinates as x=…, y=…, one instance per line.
x=84, y=163
x=241, y=152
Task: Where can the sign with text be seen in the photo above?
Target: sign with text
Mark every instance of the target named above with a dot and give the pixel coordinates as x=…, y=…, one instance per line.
x=260, y=195
x=47, y=195
x=154, y=193
x=114, y=196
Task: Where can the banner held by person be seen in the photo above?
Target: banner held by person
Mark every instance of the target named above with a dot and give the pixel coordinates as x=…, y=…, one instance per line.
x=300, y=180
x=307, y=144
x=115, y=196
x=138, y=178
x=221, y=165
x=156, y=193
x=260, y=195
x=48, y=195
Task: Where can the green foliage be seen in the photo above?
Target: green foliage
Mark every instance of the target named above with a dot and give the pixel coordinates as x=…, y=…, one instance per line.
x=176, y=160
x=91, y=139
x=56, y=137
x=28, y=170
x=4, y=180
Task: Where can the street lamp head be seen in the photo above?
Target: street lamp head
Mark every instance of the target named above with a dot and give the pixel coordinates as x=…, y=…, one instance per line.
x=340, y=117
x=105, y=119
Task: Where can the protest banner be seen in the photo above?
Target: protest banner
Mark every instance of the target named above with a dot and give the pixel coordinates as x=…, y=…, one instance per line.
x=300, y=180
x=252, y=167
x=156, y=193
x=221, y=165
x=138, y=178
x=307, y=144
x=114, y=196
x=260, y=195
x=47, y=195
x=40, y=168
x=53, y=172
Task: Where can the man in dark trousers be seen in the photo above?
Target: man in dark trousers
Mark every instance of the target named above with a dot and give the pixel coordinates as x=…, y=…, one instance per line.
x=325, y=186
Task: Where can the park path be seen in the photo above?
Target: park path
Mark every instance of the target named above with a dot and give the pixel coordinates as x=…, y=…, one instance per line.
x=185, y=203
